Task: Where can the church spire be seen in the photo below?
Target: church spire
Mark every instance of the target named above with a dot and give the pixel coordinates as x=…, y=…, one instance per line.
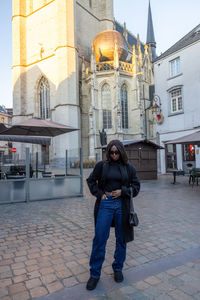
x=150, y=34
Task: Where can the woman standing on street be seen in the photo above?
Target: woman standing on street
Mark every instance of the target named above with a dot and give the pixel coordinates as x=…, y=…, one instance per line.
x=111, y=182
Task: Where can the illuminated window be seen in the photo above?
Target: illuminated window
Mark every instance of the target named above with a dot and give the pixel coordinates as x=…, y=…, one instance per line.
x=124, y=104
x=188, y=152
x=106, y=106
x=175, y=67
x=44, y=100
x=2, y=119
x=176, y=101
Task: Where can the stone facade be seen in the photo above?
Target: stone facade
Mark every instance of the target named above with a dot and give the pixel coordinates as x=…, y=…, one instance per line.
x=51, y=39
x=136, y=77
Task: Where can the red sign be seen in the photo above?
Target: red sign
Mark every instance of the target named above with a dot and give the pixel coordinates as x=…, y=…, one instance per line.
x=14, y=150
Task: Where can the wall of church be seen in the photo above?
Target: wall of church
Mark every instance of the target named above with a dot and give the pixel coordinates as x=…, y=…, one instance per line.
x=44, y=45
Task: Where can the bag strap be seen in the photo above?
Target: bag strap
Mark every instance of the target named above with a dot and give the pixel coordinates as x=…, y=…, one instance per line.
x=131, y=201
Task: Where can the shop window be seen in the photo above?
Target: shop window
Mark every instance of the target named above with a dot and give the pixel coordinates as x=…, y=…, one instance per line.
x=188, y=152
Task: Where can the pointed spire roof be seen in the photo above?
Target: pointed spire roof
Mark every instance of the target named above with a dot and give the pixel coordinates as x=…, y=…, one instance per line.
x=150, y=31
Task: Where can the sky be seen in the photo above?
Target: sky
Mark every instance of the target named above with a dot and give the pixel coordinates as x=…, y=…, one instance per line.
x=172, y=19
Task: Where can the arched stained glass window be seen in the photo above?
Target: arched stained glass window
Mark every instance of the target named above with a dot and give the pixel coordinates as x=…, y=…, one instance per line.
x=106, y=106
x=124, y=105
x=44, y=98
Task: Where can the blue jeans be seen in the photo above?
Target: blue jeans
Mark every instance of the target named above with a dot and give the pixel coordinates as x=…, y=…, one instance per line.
x=109, y=209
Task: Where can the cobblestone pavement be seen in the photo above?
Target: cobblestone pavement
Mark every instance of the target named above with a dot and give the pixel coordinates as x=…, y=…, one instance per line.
x=45, y=247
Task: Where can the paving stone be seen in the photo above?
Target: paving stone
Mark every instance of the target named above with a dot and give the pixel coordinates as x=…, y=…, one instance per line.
x=69, y=282
x=3, y=291
x=20, y=278
x=38, y=292
x=16, y=288
x=5, y=282
x=48, y=278
x=64, y=273
x=54, y=286
x=152, y=280
x=19, y=265
x=32, y=283
x=19, y=271
x=45, y=271
x=141, y=285
x=21, y=296
x=179, y=295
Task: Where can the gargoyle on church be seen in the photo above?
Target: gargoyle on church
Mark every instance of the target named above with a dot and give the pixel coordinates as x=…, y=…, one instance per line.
x=73, y=63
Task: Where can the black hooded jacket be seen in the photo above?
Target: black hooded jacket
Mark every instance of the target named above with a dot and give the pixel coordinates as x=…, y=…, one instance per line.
x=96, y=183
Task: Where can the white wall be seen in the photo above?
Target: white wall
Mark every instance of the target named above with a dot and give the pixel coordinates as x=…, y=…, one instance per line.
x=178, y=125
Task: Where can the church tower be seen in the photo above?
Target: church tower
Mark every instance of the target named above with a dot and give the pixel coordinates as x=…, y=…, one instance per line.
x=150, y=34
x=50, y=38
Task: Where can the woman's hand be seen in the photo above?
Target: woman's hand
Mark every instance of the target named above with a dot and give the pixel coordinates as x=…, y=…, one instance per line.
x=103, y=196
x=116, y=193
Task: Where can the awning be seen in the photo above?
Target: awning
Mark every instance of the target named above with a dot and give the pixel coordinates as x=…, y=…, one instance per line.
x=26, y=139
x=193, y=138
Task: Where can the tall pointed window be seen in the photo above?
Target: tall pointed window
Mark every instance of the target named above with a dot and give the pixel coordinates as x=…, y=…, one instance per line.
x=44, y=100
x=124, y=105
x=106, y=106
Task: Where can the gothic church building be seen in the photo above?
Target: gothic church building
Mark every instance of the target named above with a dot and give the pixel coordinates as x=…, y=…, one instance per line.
x=75, y=65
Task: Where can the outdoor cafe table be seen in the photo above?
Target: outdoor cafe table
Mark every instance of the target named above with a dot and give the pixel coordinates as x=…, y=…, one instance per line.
x=174, y=171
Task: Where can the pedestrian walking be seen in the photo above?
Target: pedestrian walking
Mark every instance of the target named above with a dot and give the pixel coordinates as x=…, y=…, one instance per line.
x=111, y=182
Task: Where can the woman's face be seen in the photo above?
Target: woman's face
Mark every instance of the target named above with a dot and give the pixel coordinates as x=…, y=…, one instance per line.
x=114, y=153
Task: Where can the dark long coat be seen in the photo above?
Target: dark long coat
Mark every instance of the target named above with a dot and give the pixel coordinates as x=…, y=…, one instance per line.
x=96, y=183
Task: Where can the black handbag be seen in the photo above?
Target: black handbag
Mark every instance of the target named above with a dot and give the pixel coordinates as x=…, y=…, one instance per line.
x=133, y=218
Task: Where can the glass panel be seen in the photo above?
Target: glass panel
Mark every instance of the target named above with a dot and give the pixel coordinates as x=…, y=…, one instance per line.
x=173, y=105
x=124, y=104
x=176, y=100
x=179, y=103
x=178, y=66
x=107, y=119
x=106, y=97
x=44, y=98
x=170, y=148
x=188, y=152
x=172, y=68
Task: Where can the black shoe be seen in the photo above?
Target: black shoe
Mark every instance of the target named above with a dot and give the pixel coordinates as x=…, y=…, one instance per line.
x=118, y=276
x=92, y=283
